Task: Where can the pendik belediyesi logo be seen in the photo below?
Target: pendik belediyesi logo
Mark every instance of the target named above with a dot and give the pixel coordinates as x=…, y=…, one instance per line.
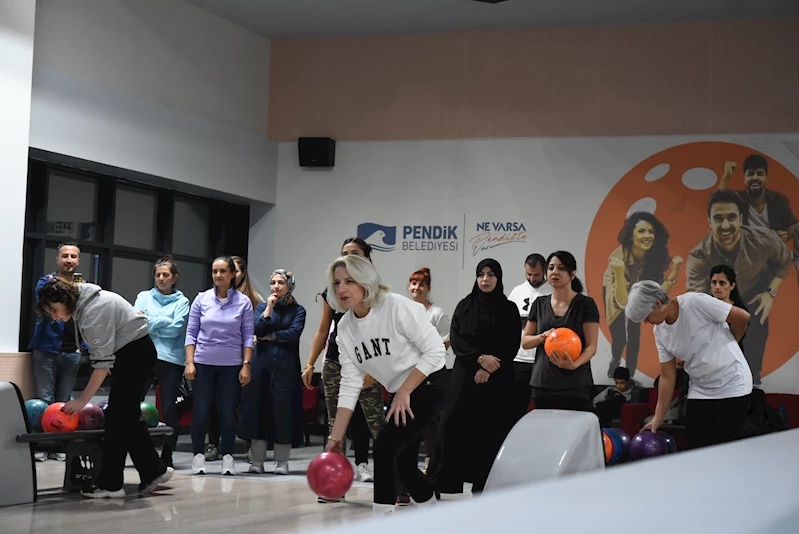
x=379, y=237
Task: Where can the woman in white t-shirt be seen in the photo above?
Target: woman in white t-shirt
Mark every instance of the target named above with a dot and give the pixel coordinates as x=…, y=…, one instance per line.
x=703, y=332
x=419, y=288
x=389, y=337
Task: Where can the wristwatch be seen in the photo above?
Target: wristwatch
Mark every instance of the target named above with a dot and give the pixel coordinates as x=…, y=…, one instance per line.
x=772, y=292
x=245, y=362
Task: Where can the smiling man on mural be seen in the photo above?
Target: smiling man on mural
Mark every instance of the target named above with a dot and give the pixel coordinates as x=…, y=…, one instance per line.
x=759, y=257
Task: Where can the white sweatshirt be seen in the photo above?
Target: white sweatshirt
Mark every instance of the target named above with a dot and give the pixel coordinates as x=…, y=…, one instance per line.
x=391, y=341
x=523, y=296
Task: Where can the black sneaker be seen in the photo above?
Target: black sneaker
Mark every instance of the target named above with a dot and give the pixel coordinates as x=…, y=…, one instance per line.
x=403, y=500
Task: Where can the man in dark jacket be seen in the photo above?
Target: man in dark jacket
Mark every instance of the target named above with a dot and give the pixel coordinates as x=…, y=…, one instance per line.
x=55, y=344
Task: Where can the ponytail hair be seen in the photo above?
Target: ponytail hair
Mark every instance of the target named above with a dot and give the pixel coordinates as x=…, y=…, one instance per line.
x=568, y=261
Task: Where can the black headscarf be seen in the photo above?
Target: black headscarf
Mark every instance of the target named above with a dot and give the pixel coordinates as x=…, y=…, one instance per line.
x=481, y=308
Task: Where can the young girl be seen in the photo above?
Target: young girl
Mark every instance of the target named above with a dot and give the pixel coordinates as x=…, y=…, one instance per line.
x=560, y=382
x=271, y=404
x=118, y=344
x=166, y=310
x=219, y=342
x=370, y=400
x=391, y=338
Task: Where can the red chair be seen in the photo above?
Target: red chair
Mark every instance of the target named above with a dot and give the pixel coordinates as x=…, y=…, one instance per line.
x=184, y=418
x=310, y=410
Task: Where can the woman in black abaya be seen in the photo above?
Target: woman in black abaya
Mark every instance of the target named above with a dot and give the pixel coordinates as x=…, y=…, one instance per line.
x=485, y=338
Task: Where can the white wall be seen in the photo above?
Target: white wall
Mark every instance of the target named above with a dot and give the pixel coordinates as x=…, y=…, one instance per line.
x=161, y=88
x=554, y=187
x=16, y=65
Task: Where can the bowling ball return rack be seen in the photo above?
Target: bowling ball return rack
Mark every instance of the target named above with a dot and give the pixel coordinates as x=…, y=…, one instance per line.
x=84, y=450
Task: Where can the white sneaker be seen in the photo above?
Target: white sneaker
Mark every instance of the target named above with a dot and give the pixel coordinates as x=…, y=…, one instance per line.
x=383, y=510
x=427, y=504
x=281, y=468
x=40, y=456
x=364, y=474
x=98, y=493
x=145, y=489
x=227, y=465
x=198, y=464
x=256, y=468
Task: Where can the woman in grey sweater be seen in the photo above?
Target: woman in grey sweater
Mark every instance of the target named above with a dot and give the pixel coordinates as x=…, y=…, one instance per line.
x=119, y=343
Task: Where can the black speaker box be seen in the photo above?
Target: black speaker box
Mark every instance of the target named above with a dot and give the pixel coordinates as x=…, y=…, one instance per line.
x=317, y=151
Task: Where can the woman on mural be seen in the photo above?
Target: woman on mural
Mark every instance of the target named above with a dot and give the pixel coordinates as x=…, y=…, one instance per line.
x=643, y=254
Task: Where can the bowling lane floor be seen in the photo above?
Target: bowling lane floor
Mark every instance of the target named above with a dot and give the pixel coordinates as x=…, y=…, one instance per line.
x=193, y=504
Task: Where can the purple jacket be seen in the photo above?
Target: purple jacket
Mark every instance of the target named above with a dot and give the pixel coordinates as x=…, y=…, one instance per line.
x=219, y=331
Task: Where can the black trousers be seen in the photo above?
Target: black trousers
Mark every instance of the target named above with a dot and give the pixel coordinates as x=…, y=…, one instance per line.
x=754, y=344
x=396, y=447
x=169, y=376
x=522, y=391
x=125, y=432
x=360, y=433
x=266, y=409
x=711, y=422
x=575, y=399
x=609, y=410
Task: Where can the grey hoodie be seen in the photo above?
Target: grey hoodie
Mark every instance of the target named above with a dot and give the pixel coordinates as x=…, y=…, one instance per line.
x=107, y=323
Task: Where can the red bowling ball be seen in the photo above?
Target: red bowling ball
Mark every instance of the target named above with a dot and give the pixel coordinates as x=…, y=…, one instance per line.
x=91, y=417
x=330, y=475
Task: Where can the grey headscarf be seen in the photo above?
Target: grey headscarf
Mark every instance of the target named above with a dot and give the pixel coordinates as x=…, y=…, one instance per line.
x=289, y=278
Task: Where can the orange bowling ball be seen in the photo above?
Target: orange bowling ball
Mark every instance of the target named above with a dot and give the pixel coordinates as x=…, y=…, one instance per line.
x=608, y=446
x=565, y=341
x=54, y=420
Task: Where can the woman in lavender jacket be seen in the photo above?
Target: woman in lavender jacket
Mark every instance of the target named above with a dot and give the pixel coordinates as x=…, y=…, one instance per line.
x=219, y=343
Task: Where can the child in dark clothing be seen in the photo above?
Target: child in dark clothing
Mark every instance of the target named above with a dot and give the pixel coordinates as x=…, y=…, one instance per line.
x=608, y=403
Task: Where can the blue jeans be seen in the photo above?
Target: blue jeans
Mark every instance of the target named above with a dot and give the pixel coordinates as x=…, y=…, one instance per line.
x=222, y=382
x=55, y=375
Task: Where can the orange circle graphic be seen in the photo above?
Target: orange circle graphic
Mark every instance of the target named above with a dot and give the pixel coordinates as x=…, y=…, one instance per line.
x=676, y=184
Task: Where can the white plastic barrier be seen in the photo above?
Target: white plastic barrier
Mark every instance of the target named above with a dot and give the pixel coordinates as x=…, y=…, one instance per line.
x=17, y=472
x=747, y=487
x=547, y=444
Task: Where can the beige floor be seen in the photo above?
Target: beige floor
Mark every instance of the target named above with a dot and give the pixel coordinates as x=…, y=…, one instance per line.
x=191, y=504
x=188, y=504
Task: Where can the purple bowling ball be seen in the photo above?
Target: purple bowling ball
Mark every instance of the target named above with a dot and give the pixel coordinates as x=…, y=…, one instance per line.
x=91, y=417
x=625, y=437
x=103, y=404
x=648, y=445
x=670, y=443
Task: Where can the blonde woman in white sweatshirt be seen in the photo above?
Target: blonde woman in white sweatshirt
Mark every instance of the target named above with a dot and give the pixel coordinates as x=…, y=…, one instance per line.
x=389, y=337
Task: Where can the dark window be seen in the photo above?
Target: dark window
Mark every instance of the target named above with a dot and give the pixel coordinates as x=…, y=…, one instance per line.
x=122, y=227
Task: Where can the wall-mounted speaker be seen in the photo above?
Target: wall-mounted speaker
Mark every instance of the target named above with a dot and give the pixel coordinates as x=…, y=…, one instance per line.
x=317, y=151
